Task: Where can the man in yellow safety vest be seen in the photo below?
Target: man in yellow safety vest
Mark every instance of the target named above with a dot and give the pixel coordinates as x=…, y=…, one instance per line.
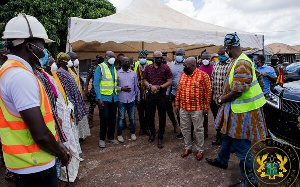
x=240, y=116
x=105, y=84
x=27, y=127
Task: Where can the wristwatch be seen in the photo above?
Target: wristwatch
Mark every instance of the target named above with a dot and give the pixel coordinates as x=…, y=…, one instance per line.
x=149, y=86
x=159, y=87
x=219, y=101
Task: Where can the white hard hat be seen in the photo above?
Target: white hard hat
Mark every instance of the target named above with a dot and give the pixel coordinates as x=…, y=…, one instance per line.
x=25, y=26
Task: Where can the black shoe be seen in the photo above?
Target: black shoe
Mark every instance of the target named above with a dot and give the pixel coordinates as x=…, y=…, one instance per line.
x=215, y=162
x=243, y=183
x=151, y=138
x=179, y=136
x=160, y=144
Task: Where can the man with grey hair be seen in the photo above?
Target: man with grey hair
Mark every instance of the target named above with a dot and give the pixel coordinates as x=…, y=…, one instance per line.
x=193, y=98
x=157, y=77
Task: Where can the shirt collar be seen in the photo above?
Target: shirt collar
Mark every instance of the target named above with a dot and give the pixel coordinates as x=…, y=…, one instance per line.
x=24, y=62
x=122, y=71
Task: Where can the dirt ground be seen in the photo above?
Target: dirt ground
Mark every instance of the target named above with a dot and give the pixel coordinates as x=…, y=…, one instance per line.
x=140, y=163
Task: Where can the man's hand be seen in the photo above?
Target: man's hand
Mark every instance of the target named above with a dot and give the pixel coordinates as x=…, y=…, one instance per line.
x=126, y=89
x=205, y=112
x=100, y=104
x=154, y=89
x=176, y=108
x=66, y=157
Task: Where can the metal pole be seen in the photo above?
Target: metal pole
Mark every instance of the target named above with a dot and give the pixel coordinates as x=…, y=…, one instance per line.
x=263, y=42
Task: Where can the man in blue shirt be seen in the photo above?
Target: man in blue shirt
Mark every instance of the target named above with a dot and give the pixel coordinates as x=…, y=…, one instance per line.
x=107, y=102
x=267, y=72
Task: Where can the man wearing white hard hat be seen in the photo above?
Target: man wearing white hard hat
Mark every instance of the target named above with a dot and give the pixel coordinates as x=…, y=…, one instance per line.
x=27, y=127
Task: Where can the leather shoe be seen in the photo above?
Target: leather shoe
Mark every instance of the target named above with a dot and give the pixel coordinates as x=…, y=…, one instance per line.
x=151, y=138
x=199, y=155
x=186, y=152
x=160, y=144
x=243, y=183
x=215, y=162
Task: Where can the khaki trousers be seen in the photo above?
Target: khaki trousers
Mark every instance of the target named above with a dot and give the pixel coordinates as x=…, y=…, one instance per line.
x=187, y=118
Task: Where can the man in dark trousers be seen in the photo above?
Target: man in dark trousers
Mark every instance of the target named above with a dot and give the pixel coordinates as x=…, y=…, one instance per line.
x=157, y=77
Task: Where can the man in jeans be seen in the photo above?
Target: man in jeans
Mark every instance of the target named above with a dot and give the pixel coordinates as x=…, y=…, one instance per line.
x=105, y=84
x=128, y=93
x=157, y=77
x=193, y=98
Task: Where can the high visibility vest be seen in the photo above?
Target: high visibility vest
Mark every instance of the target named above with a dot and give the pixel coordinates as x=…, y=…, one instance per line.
x=137, y=63
x=19, y=149
x=253, y=98
x=107, y=84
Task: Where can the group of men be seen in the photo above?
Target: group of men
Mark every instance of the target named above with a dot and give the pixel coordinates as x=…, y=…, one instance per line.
x=228, y=87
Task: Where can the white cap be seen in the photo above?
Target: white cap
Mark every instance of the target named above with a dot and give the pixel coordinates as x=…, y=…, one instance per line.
x=25, y=26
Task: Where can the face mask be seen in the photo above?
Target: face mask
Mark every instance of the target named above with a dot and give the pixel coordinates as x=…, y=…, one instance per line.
x=205, y=62
x=70, y=64
x=143, y=61
x=54, y=67
x=44, y=60
x=179, y=58
x=76, y=62
x=158, y=61
x=187, y=71
x=111, y=61
x=223, y=58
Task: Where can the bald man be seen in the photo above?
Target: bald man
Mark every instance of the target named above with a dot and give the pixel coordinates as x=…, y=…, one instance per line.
x=193, y=99
x=105, y=84
x=157, y=77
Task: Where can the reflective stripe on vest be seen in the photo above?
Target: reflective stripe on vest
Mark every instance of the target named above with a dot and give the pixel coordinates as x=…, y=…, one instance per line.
x=19, y=149
x=253, y=98
x=107, y=84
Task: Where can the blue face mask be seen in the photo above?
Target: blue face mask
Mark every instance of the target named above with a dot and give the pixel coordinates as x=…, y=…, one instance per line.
x=44, y=60
x=142, y=61
x=222, y=58
x=179, y=58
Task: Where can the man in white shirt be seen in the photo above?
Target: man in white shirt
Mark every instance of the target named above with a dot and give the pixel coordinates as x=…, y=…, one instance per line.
x=27, y=127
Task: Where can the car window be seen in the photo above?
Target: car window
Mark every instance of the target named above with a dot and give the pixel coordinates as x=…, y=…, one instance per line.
x=293, y=67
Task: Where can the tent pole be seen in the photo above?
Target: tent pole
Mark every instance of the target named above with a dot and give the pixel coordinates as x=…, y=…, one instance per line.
x=263, y=42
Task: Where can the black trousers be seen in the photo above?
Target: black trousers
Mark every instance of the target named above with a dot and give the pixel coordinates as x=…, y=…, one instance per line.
x=46, y=178
x=170, y=110
x=214, y=108
x=142, y=115
x=157, y=101
x=108, y=120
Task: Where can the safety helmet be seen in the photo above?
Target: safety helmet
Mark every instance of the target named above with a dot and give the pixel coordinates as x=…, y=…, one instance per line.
x=25, y=26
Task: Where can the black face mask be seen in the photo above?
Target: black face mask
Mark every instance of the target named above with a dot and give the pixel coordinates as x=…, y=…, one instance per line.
x=187, y=71
x=126, y=66
x=158, y=60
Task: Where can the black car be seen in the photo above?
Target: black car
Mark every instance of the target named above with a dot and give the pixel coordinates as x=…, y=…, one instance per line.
x=282, y=113
x=293, y=72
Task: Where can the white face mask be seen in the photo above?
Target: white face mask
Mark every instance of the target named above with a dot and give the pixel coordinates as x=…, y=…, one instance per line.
x=111, y=61
x=70, y=64
x=76, y=62
x=54, y=67
x=205, y=62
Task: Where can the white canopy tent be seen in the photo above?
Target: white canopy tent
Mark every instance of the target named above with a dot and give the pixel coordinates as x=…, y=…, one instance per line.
x=150, y=25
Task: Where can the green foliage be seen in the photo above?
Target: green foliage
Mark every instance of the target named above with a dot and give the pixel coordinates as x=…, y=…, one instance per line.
x=54, y=15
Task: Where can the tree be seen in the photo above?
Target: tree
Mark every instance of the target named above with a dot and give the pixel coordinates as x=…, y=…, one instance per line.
x=54, y=15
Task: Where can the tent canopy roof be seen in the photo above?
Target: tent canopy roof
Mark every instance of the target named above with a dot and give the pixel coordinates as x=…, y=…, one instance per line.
x=151, y=24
